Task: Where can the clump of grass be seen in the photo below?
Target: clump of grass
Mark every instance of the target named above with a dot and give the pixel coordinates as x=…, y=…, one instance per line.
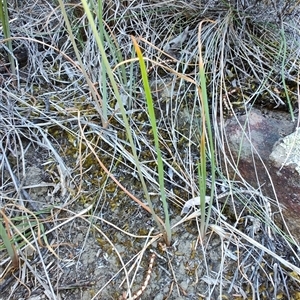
x=165, y=227
x=155, y=142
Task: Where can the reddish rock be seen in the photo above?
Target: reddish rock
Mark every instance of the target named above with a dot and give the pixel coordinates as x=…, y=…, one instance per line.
x=265, y=159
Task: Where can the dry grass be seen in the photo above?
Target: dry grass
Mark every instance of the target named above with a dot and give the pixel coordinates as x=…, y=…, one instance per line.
x=65, y=175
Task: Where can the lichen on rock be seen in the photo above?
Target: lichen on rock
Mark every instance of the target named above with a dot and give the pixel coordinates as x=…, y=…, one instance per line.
x=287, y=152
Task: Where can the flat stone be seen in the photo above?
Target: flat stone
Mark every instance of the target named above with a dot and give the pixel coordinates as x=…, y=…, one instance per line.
x=267, y=149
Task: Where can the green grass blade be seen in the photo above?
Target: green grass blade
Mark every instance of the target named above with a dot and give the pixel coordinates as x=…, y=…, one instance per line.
x=6, y=30
x=284, y=49
x=206, y=131
x=150, y=107
x=8, y=245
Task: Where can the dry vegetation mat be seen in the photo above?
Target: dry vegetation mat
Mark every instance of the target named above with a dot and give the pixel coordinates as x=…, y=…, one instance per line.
x=95, y=170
